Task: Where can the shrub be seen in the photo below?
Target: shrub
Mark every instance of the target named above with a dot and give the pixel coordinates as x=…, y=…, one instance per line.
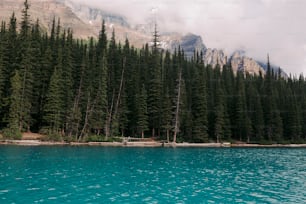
x=94, y=138
x=13, y=134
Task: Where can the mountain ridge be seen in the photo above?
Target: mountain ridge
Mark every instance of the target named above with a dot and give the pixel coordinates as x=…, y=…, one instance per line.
x=85, y=21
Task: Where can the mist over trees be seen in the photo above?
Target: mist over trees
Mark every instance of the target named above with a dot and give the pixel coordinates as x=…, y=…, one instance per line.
x=76, y=90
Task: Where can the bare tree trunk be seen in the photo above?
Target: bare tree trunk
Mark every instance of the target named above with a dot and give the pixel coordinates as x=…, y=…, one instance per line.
x=109, y=118
x=22, y=101
x=120, y=89
x=111, y=114
x=176, y=125
x=168, y=139
x=75, y=109
x=142, y=134
x=87, y=116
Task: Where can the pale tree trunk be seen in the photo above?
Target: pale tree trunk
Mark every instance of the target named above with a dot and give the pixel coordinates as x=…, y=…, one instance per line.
x=111, y=114
x=168, y=139
x=89, y=110
x=176, y=124
x=109, y=118
x=75, y=109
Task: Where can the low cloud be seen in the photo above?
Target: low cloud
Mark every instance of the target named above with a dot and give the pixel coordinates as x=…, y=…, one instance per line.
x=259, y=26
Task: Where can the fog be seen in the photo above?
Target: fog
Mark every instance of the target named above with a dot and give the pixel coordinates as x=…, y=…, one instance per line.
x=257, y=26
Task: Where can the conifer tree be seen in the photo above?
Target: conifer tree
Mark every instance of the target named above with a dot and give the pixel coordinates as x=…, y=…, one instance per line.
x=100, y=108
x=53, y=109
x=167, y=114
x=240, y=108
x=273, y=120
x=15, y=111
x=155, y=86
x=2, y=78
x=219, y=122
x=102, y=41
x=11, y=48
x=199, y=109
x=142, y=117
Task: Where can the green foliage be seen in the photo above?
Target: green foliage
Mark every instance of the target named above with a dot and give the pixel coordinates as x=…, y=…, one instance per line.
x=54, y=106
x=94, y=138
x=142, y=113
x=15, y=103
x=77, y=90
x=12, y=134
x=199, y=108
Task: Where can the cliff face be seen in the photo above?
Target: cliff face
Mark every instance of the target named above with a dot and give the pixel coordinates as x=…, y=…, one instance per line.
x=214, y=57
x=191, y=42
x=240, y=62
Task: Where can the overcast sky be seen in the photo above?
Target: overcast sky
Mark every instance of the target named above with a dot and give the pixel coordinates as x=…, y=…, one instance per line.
x=277, y=27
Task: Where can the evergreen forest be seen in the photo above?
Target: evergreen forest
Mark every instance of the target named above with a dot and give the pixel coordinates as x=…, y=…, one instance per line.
x=97, y=89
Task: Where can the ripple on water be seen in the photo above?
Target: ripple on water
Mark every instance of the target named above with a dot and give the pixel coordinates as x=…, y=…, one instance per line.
x=33, y=189
x=141, y=175
x=4, y=191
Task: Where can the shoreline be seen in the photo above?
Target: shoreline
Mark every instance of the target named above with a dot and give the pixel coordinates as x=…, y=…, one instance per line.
x=146, y=144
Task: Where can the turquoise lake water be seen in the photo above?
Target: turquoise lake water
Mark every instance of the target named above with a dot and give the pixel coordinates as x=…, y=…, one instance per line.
x=151, y=175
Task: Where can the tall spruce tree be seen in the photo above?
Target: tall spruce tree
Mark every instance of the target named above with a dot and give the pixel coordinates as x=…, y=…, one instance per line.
x=54, y=106
x=26, y=60
x=142, y=114
x=199, y=108
x=15, y=103
x=155, y=86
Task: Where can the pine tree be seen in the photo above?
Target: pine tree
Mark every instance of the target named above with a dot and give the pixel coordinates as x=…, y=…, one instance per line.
x=167, y=114
x=25, y=22
x=53, y=109
x=199, y=108
x=2, y=77
x=99, y=114
x=257, y=113
x=240, y=108
x=123, y=114
x=219, y=122
x=68, y=67
x=142, y=117
x=155, y=87
x=13, y=131
x=16, y=102
x=273, y=120
x=102, y=41
x=26, y=61
x=12, y=42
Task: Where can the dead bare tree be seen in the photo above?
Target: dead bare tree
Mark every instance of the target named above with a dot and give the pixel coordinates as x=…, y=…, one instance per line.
x=113, y=114
x=177, y=107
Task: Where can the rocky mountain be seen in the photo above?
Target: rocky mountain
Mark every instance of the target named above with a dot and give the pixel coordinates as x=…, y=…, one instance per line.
x=45, y=11
x=85, y=21
x=214, y=57
x=240, y=62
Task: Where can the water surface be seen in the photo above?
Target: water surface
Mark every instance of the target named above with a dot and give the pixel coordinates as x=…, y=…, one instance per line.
x=151, y=175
